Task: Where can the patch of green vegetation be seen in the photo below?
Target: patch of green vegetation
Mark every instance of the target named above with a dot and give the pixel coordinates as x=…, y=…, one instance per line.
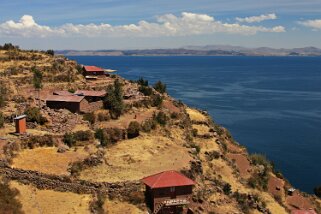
x=133, y=129
x=71, y=139
x=90, y=117
x=160, y=87
x=114, y=99
x=1, y=120
x=34, y=115
x=161, y=118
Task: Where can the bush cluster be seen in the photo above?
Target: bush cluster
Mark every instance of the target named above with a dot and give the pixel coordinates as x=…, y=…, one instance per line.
x=114, y=99
x=1, y=120
x=90, y=117
x=148, y=125
x=317, y=191
x=160, y=87
x=109, y=136
x=133, y=129
x=34, y=115
x=71, y=139
x=103, y=116
x=40, y=141
x=3, y=93
x=157, y=100
x=161, y=118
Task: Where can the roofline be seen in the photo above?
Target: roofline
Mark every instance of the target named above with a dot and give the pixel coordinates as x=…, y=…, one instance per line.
x=152, y=187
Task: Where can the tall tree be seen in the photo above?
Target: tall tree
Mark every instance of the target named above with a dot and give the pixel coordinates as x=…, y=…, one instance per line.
x=37, y=81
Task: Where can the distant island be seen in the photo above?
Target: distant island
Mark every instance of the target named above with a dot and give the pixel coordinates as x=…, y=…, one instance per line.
x=209, y=50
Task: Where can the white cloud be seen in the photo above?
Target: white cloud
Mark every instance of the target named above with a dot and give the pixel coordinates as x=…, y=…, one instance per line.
x=315, y=24
x=166, y=25
x=260, y=18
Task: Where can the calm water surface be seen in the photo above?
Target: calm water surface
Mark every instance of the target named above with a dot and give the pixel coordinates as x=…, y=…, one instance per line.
x=272, y=105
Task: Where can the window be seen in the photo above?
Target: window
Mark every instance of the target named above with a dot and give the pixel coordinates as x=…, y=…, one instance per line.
x=172, y=189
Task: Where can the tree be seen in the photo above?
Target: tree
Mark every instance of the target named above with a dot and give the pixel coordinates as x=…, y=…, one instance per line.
x=227, y=189
x=317, y=191
x=34, y=115
x=37, y=78
x=142, y=82
x=114, y=99
x=37, y=81
x=69, y=139
x=102, y=136
x=133, y=129
x=50, y=52
x=160, y=87
x=3, y=93
x=1, y=120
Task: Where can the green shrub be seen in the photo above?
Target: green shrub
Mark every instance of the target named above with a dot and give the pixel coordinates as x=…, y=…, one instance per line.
x=83, y=135
x=227, y=189
x=174, y=115
x=259, y=181
x=147, y=91
x=317, y=191
x=133, y=129
x=40, y=141
x=34, y=115
x=157, y=100
x=69, y=139
x=1, y=120
x=114, y=100
x=103, y=117
x=194, y=132
x=90, y=117
x=3, y=93
x=242, y=201
x=259, y=159
x=102, y=136
x=161, y=118
x=142, y=82
x=160, y=87
x=50, y=52
x=149, y=125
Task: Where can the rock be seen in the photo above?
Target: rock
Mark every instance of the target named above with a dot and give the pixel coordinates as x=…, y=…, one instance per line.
x=62, y=149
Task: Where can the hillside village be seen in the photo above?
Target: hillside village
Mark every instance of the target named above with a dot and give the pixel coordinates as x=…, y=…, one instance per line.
x=81, y=139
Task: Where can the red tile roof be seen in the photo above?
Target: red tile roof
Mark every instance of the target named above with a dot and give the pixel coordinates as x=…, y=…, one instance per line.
x=90, y=93
x=61, y=98
x=92, y=68
x=167, y=179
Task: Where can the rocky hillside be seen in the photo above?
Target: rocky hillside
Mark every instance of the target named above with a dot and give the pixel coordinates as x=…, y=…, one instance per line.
x=93, y=162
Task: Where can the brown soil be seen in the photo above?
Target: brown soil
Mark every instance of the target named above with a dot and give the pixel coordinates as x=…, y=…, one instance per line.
x=242, y=164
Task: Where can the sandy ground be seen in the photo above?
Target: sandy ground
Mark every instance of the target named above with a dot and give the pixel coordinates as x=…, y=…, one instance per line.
x=116, y=207
x=48, y=160
x=35, y=201
x=136, y=158
x=196, y=115
x=242, y=164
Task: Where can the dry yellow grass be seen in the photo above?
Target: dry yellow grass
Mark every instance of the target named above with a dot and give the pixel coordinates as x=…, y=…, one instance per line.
x=37, y=201
x=201, y=129
x=48, y=160
x=136, y=158
x=271, y=204
x=196, y=115
x=117, y=207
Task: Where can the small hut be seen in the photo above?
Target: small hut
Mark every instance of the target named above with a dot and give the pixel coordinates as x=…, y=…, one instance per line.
x=168, y=192
x=20, y=123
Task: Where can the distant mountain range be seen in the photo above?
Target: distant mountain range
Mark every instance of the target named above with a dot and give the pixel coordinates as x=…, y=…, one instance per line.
x=209, y=50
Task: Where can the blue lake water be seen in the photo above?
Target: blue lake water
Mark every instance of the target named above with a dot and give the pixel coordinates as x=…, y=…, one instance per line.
x=271, y=105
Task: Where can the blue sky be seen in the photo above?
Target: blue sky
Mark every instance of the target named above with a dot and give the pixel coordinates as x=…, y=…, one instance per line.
x=120, y=24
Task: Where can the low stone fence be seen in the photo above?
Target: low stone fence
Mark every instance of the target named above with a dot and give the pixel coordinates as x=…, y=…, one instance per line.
x=67, y=184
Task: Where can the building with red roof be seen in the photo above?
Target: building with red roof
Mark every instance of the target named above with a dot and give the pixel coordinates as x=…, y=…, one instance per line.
x=168, y=192
x=93, y=70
